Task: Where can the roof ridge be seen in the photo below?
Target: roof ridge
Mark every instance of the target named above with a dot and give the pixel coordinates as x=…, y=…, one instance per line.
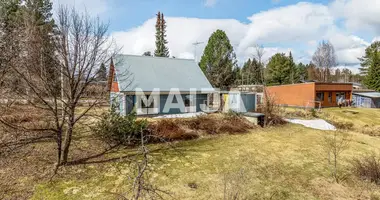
x=153, y=57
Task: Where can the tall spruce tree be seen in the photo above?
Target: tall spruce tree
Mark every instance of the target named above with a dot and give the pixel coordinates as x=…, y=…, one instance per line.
x=39, y=42
x=11, y=38
x=367, y=59
x=161, y=49
x=251, y=72
x=302, y=72
x=101, y=74
x=10, y=27
x=293, y=73
x=372, y=80
x=219, y=60
x=278, y=69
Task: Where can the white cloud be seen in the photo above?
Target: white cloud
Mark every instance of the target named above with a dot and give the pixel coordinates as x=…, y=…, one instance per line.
x=376, y=39
x=210, y=3
x=181, y=34
x=302, y=24
x=299, y=22
x=358, y=14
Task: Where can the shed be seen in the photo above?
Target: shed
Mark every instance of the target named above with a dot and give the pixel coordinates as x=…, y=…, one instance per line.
x=366, y=99
x=238, y=101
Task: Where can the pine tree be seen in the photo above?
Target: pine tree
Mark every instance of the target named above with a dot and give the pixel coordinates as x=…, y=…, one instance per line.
x=158, y=52
x=165, y=49
x=161, y=42
x=11, y=38
x=372, y=80
x=302, y=72
x=219, y=60
x=147, y=53
x=39, y=24
x=365, y=61
x=279, y=69
x=293, y=75
x=101, y=74
x=251, y=72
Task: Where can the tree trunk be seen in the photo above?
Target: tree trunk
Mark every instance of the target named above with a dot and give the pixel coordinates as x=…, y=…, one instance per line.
x=68, y=136
x=59, y=149
x=66, y=144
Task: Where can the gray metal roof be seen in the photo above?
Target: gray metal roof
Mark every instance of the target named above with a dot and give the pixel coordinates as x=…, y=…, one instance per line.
x=148, y=72
x=368, y=94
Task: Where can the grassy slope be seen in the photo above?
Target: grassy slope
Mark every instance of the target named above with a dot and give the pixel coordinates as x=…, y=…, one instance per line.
x=359, y=116
x=283, y=163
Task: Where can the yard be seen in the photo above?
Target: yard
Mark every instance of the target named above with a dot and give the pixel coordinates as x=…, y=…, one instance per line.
x=284, y=162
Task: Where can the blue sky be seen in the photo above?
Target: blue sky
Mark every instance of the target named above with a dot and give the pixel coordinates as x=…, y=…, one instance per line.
x=130, y=13
x=278, y=25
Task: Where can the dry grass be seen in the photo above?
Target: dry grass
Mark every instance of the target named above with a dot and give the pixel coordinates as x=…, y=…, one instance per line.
x=286, y=162
x=363, y=120
x=368, y=168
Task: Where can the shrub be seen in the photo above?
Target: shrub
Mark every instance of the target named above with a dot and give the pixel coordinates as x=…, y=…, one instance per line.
x=371, y=130
x=120, y=129
x=368, y=168
x=229, y=123
x=233, y=122
x=231, y=115
x=342, y=124
x=272, y=111
x=205, y=123
x=313, y=112
x=169, y=129
x=334, y=145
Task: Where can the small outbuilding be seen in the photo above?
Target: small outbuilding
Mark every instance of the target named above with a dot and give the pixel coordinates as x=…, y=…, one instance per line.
x=156, y=85
x=366, y=99
x=237, y=101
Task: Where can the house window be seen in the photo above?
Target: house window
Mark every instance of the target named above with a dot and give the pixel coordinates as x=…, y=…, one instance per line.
x=330, y=97
x=143, y=105
x=340, y=96
x=187, y=100
x=320, y=96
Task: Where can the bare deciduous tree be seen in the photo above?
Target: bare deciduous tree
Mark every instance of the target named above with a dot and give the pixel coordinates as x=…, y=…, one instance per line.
x=334, y=145
x=325, y=59
x=80, y=45
x=258, y=54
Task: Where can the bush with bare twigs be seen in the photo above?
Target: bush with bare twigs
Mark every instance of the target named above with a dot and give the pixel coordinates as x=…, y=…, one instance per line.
x=231, y=123
x=334, y=145
x=206, y=123
x=272, y=111
x=368, y=168
x=170, y=129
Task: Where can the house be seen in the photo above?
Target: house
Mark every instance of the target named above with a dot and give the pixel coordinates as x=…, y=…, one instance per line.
x=366, y=99
x=156, y=85
x=311, y=94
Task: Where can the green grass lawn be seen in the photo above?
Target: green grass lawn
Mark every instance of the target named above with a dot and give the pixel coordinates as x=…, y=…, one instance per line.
x=287, y=162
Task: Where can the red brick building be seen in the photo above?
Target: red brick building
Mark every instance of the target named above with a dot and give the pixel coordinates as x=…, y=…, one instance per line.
x=310, y=94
